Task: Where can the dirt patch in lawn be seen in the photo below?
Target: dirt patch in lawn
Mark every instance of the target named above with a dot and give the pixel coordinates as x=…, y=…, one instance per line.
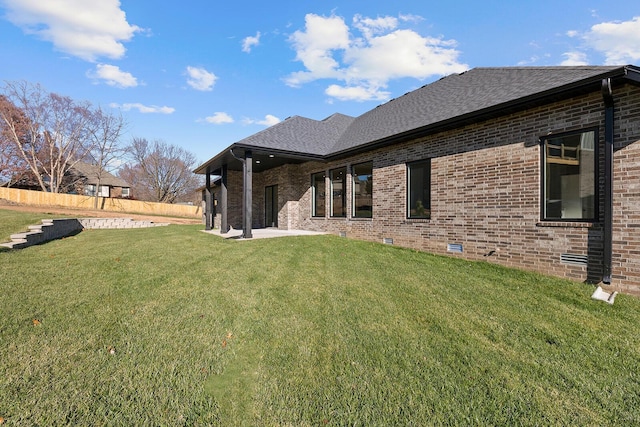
x=92, y=213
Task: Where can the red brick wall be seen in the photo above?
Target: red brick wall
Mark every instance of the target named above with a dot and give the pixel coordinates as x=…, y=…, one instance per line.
x=626, y=190
x=485, y=193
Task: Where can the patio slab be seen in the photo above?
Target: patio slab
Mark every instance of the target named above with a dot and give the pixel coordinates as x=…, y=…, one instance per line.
x=262, y=233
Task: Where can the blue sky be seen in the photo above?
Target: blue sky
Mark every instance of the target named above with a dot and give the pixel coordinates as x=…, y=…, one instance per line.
x=203, y=74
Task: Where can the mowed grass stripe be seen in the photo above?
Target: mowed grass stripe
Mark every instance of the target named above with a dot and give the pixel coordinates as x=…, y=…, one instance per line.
x=302, y=331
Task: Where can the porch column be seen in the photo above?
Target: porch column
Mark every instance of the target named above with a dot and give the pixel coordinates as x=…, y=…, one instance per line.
x=222, y=202
x=247, y=185
x=208, y=203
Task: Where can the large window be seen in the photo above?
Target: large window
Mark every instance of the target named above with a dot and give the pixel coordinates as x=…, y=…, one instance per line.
x=90, y=190
x=319, y=194
x=569, y=176
x=362, y=187
x=419, y=189
x=338, y=192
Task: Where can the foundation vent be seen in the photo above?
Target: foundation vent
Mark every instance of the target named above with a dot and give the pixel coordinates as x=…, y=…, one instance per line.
x=343, y=234
x=574, y=259
x=387, y=240
x=454, y=247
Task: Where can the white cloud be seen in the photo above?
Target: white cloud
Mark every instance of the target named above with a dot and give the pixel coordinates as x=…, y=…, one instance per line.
x=219, y=118
x=618, y=41
x=113, y=76
x=314, y=48
x=200, y=79
x=269, y=120
x=402, y=53
x=575, y=58
x=328, y=50
x=85, y=29
x=410, y=18
x=356, y=93
x=145, y=109
x=370, y=27
x=250, y=41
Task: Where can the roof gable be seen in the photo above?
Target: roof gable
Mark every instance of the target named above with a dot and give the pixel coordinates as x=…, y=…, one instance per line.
x=90, y=172
x=301, y=135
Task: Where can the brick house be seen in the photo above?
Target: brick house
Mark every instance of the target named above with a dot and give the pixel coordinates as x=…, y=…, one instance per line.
x=536, y=168
x=88, y=179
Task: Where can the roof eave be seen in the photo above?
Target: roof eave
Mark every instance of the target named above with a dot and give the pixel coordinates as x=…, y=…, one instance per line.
x=216, y=162
x=571, y=89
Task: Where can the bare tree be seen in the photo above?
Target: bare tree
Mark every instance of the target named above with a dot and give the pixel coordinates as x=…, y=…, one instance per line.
x=160, y=172
x=54, y=135
x=104, y=133
x=12, y=166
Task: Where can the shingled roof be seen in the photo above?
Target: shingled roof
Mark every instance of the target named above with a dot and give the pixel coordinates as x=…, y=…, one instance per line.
x=457, y=96
x=451, y=101
x=301, y=135
x=90, y=173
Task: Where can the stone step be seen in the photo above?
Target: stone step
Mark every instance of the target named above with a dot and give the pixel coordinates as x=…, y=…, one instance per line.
x=51, y=229
x=16, y=244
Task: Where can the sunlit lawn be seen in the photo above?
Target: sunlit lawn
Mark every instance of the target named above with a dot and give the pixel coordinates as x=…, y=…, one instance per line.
x=172, y=326
x=12, y=222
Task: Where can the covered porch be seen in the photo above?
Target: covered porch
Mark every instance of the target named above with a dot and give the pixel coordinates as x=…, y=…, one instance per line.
x=247, y=200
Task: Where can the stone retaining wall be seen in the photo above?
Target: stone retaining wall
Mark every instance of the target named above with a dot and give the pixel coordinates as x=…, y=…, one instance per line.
x=52, y=229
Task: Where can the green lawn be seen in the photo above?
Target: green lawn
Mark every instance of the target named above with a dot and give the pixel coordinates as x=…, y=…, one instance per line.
x=172, y=326
x=12, y=222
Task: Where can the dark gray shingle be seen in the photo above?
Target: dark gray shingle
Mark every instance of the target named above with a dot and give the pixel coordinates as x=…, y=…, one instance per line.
x=458, y=95
x=301, y=135
x=449, y=101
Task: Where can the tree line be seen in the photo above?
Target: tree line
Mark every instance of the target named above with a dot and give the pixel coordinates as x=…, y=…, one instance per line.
x=43, y=135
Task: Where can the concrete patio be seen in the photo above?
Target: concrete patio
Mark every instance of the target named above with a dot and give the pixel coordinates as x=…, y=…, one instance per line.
x=262, y=233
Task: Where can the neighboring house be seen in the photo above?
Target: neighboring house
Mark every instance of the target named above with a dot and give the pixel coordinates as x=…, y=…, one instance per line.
x=88, y=180
x=530, y=167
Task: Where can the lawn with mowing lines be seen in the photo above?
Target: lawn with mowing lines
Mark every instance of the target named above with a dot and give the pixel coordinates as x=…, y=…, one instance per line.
x=172, y=326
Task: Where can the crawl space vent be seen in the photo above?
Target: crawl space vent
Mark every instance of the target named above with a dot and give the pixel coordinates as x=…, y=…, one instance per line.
x=387, y=240
x=454, y=247
x=343, y=234
x=573, y=259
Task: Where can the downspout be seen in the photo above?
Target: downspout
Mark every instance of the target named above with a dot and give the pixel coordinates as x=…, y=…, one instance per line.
x=607, y=95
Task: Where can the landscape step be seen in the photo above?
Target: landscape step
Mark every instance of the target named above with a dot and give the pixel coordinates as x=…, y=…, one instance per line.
x=52, y=229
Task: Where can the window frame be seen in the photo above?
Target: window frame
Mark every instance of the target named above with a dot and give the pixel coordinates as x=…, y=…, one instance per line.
x=409, y=165
x=596, y=174
x=344, y=192
x=354, y=178
x=314, y=195
x=90, y=190
x=102, y=189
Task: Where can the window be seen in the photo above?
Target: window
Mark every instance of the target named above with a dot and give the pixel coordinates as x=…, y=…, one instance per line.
x=362, y=190
x=90, y=190
x=338, y=188
x=419, y=189
x=318, y=189
x=104, y=191
x=569, y=176
x=125, y=192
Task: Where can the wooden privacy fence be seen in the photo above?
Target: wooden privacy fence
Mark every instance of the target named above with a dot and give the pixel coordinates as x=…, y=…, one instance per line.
x=41, y=198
